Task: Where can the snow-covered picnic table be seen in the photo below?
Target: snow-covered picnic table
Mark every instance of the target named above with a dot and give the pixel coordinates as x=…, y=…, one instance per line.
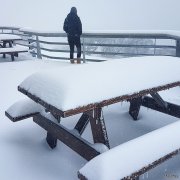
x=12, y=50
x=87, y=88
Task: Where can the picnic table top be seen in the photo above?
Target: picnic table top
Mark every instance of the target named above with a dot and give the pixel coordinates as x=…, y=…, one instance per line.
x=74, y=89
x=4, y=37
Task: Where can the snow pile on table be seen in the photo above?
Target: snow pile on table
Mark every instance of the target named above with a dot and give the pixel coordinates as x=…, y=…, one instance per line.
x=133, y=155
x=80, y=85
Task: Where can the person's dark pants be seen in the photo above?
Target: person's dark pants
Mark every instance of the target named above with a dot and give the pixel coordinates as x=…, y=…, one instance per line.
x=74, y=41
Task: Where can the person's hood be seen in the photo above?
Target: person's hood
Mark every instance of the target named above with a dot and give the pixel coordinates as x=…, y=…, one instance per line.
x=73, y=10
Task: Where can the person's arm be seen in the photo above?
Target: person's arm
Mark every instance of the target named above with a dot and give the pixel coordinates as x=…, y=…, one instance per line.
x=65, y=27
x=80, y=27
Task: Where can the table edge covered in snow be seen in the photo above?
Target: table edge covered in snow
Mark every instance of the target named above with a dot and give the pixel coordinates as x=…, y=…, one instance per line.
x=107, y=102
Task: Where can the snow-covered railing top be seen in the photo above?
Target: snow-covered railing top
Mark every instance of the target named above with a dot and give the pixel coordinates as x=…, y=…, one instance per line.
x=110, y=34
x=121, y=48
x=81, y=88
x=126, y=43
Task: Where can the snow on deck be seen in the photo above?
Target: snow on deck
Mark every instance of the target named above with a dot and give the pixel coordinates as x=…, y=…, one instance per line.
x=126, y=159
x=80, y=85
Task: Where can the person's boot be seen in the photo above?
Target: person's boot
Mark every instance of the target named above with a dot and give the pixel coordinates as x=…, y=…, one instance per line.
x=72, y=61
x=78, y=61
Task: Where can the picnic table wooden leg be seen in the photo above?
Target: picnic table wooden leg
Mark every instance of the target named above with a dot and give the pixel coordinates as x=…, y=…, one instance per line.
x=98, y=128
x=82, y=123
x=51, y=140
x=12, y=56
x=134, y=108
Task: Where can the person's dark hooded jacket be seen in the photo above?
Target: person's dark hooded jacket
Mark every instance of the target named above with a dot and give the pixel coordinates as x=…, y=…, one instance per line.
x=72, y=24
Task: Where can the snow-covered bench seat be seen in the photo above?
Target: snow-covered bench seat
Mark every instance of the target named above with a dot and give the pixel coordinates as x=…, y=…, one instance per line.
x=135, y=157
x=87, y=88
x=13, y=51
x=23, y=109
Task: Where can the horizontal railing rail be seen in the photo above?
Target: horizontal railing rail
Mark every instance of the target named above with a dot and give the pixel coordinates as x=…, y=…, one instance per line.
x=104, y=44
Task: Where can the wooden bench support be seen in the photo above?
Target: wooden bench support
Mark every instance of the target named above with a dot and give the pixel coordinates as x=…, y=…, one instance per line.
x=80, y=127
x=159, y=100
x=75, y=142
x=52, y=140
x=98, y=128
x=82, y=123
x=134, y=108
x=173, y=109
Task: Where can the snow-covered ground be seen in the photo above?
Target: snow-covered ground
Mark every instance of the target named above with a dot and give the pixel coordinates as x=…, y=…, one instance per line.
x=24, y=154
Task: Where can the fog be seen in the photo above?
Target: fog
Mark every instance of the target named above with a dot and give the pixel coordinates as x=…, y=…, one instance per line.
x=94, y=14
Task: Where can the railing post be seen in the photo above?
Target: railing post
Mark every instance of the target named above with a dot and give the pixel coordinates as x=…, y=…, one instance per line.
x=38, y=48
x=177, y=48
x=84, y=58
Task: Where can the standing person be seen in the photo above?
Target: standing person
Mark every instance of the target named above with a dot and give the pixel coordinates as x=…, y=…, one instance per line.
x=73, y=28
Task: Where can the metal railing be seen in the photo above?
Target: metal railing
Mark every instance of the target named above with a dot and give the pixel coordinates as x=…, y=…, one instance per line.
x=113, y=44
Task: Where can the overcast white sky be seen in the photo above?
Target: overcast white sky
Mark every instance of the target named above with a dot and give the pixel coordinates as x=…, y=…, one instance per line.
x=95, y=14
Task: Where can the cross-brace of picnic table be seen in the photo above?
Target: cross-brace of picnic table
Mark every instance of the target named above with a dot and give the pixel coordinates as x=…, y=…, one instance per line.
x=93, y=114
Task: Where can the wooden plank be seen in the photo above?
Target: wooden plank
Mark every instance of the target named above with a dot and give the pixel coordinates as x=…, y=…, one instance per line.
x=134, y=108
x=50, y=138
x=98, y=128
x=173, y=109
x=75, y=142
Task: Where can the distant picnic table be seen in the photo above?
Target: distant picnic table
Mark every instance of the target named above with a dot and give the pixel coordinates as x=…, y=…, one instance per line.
x=8, y=39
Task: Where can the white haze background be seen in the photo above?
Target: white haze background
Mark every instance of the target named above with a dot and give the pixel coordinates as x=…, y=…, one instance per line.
x=95, y=15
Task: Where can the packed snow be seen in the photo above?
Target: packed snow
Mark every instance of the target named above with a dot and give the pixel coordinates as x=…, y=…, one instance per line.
x=82, y=85
x=24, y=153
